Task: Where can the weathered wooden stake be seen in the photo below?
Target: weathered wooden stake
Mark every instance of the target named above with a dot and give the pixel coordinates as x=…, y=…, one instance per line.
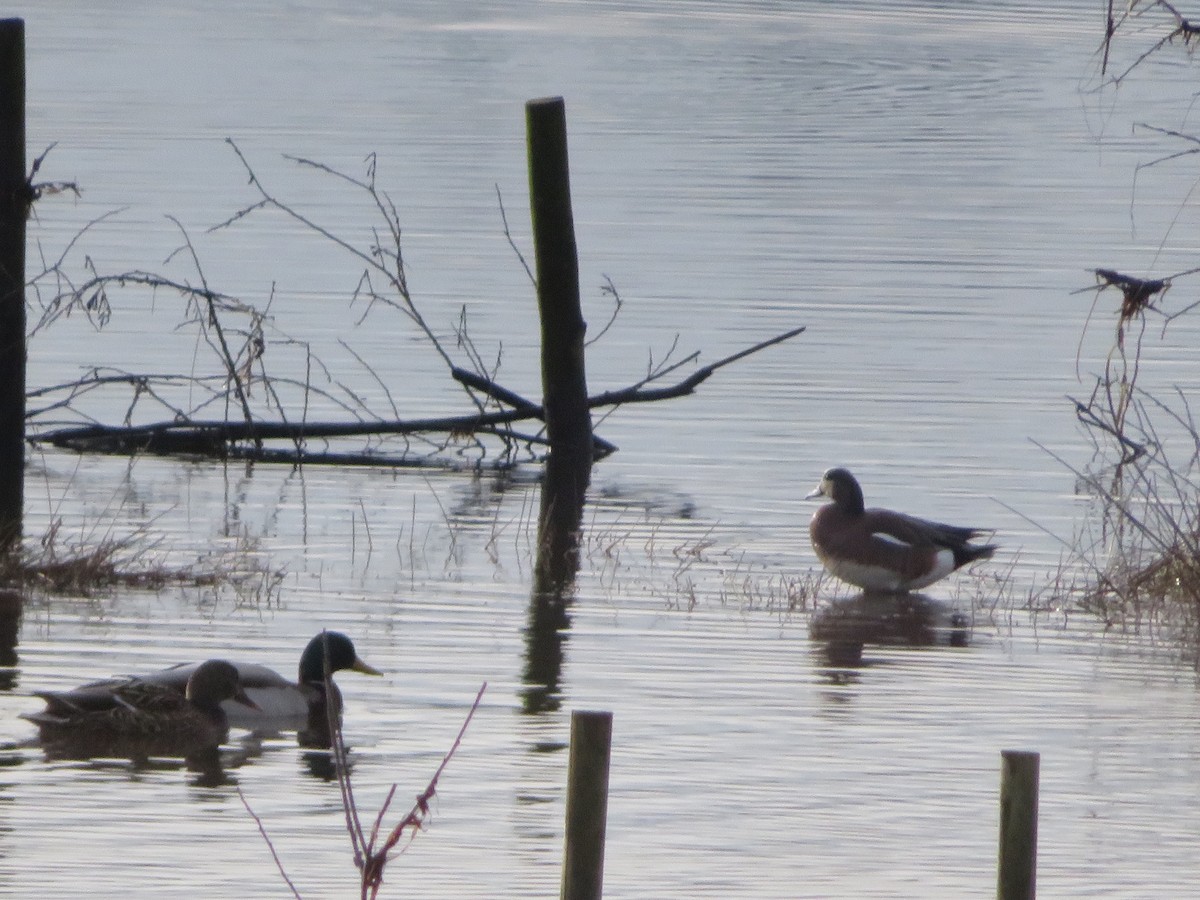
x=587, y=805
x=1017, y=878
x=14, y=205
x=564, y=381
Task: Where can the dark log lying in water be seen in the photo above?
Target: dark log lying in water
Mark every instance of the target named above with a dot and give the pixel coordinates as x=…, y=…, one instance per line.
x=244, y=440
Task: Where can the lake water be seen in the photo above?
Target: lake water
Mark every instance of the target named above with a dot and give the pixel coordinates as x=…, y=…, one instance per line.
x=923, y=187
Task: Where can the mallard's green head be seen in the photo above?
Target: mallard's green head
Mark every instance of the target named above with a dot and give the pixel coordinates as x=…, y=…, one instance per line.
x=341, y=655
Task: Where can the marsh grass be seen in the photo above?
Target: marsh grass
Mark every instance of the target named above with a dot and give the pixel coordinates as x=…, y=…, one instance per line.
x=686, y=563
x=92, y=561
x=1142, y=551
x=753, y=586
x=1145, y=558
x=1141, y=545
x=88, y=565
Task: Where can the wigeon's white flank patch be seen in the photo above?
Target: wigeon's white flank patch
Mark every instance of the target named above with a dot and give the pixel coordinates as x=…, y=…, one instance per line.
x=867, y=577
x=943, y=565
x=880, y=578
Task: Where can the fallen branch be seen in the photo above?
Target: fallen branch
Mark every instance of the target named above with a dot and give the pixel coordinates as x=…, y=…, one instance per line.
x=503, y=395
x=222, y=438
x=273, y=409
x=639, y=394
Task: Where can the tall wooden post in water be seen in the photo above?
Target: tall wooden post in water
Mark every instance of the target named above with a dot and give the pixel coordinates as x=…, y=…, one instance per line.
x=564, y=383
x=14, y=205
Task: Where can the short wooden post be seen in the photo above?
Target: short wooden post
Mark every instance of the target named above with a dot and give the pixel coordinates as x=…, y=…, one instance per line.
x=564, y=380
x=1017, y=879
x=14, y=206
x=587, y=805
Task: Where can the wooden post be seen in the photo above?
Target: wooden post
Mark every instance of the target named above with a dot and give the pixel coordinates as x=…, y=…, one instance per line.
x=564, y=381
x=14, y=206
x=1017, y=879
x=587, y=805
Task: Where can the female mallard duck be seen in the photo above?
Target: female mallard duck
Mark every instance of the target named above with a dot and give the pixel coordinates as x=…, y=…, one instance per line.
x=275, y=698
x=882, y=550
x=120, y=714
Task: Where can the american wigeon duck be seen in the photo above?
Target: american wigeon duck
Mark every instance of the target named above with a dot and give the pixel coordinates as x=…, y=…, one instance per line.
x=130, y=712
x=277, y=700
x=881, y=550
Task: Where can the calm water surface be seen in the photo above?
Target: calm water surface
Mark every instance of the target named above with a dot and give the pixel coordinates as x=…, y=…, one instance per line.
x=923, y=188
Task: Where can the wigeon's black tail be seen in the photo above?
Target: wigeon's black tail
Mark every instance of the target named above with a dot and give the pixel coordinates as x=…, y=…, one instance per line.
x=969, y=553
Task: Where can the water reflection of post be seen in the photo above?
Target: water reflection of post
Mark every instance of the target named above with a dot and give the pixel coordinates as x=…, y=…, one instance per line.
x=11, y=603
x=564, y=398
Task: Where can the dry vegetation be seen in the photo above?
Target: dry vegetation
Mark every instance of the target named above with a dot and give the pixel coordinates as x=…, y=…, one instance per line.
x=1142, y=547
x=372, y=850
x=685, y=563
x=115, y=548
x=1135, y=565
x=88, y=564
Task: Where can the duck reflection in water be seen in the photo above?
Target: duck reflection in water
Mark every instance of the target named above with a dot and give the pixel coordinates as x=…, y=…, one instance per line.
x=843, y=627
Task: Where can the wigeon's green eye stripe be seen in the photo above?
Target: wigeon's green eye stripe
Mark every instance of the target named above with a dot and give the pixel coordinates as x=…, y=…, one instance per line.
x=882, y=550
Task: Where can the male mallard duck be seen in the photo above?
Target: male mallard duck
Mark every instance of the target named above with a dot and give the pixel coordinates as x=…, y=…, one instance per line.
x=131, y=712
x=881, y=550
x=275, y=697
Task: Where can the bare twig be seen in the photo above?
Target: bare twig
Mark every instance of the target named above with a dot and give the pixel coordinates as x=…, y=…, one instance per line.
x=1180, y=28
x=609, y=289
x=414, y=821
x=508, y=237
x=212, y=321
x=639, y=394
x=270, y=846
x=34, y=190
x=369, y=860
x=395, y=273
